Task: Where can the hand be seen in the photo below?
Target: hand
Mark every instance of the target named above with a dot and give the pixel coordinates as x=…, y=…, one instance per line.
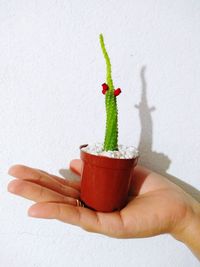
x=155, y=206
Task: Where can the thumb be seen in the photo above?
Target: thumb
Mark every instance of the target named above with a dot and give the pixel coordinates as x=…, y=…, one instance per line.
x=76, y=166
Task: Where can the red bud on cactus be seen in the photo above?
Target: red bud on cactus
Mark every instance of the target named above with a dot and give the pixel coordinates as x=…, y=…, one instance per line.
x=105, y=87
x=104, y=91
x=117, y=92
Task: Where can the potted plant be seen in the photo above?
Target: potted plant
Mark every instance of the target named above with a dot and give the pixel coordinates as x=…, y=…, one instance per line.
x=107, y=167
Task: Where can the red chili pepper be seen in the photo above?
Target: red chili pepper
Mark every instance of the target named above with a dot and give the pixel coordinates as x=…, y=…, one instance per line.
x=117, y=92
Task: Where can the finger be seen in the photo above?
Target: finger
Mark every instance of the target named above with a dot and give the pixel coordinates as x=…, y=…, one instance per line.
x=37, y=193
x=44, y=179
x=138, y=177
x=76, y=166
x=109, y=224
x=75, y=184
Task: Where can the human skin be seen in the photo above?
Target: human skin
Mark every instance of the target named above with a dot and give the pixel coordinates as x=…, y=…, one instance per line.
x=156, y=205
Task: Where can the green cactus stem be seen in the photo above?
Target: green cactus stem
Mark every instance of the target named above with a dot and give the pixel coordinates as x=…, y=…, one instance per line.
x=111, y=133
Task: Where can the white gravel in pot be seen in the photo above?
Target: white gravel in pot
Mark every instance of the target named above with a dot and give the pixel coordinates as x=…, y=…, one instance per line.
x=124, y=152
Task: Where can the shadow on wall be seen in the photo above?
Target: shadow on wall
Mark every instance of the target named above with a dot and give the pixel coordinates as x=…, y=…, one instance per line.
x=154, y=160
x=149, y=158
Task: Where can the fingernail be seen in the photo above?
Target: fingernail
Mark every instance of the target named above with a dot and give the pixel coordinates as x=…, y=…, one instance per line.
x=10, y=170
x=11, y=188
x=32, y=213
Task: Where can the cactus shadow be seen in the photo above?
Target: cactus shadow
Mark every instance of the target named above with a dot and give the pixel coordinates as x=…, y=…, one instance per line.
x=156, y=161
x=150, y=158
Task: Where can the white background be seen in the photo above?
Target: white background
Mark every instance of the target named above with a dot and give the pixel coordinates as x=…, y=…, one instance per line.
x=51, y=71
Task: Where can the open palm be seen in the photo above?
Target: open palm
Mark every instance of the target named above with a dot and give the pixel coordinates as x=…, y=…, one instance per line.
x=155, y=204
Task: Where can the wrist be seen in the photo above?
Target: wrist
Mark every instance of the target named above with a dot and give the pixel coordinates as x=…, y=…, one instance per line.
x=189, y=235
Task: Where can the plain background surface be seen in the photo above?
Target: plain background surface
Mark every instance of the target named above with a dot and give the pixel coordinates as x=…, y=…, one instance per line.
x=51, y=71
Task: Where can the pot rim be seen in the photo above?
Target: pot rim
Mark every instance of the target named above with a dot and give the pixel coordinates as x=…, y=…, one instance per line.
x=100, y=156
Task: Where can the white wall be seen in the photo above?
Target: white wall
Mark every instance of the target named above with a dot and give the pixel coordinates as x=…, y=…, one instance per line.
x=51, y=70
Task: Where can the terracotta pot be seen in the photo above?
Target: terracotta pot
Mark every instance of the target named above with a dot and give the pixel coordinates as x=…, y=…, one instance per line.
x=105, y=181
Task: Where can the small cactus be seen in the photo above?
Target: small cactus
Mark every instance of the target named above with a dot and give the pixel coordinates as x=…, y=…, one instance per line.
x=111, y=133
